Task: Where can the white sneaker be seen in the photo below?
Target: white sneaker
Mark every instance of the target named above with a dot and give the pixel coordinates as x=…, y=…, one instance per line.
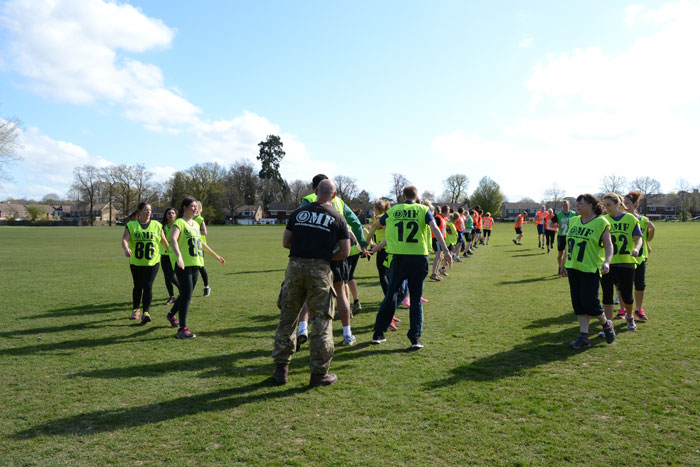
x=631, y=326
x=349, y=340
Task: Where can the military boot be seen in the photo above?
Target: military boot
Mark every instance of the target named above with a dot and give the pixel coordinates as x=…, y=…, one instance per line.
x=322, y=380
x=281, y=373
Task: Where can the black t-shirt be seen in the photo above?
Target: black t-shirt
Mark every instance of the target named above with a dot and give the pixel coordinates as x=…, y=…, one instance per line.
x=316, y=228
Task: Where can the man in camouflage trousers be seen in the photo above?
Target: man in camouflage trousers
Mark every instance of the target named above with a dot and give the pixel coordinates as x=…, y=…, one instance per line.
x=312, y=235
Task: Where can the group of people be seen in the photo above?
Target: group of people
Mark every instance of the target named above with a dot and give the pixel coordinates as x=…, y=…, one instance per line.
x=177, y=244
x=602, y=244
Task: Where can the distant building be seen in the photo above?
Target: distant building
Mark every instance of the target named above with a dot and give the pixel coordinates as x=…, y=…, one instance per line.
x=511, y=210
x=245, y=215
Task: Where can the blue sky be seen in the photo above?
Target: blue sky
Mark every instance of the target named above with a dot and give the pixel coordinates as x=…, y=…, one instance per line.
x=527, y=93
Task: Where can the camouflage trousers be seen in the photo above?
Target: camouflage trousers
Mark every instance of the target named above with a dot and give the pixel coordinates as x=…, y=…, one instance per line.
x=310, y=281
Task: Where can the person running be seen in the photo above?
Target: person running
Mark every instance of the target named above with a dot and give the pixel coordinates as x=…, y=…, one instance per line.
x=140, y=243
x=550, y=229
x=452, y=234
x=441, y=222
x=380, y=207
x=459, y=224
x=352, y=259
x=169, y=217
x=540, y=219
x=520, y=219
x=203, y=229
x=627, y=246
x=186, y=241
x=648, y=228
x=563, y=217
x=405, y=233
x=340, y=268
x=589, y=252
x=478, y=224
x=488, y=225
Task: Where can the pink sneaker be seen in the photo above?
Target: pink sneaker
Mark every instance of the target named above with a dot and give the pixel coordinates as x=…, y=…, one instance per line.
x=393, y=327
x=621, y=314
x=641, y=316
x=135, y=315
x=406, y=303
x=395, y=320
x=423, y=300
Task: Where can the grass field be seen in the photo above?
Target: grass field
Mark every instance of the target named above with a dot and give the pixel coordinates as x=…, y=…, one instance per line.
x=495, y=383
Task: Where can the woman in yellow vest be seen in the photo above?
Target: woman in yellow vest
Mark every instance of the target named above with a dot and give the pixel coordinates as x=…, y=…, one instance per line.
x=588, y=255
x=626, y=237
x=203, y=230
x=188, y=258
x=648, y=228
x=140, y=243
x=166, y=264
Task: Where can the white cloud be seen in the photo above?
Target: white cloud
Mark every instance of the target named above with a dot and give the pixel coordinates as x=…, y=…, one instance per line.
x=658, y=71
x=72, y=50
x=161, y=174
x=525, y=42
x=46, y=166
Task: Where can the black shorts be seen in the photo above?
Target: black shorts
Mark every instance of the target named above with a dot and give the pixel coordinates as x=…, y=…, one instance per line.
x=487, y=232
x=341, y=270
x=518, y=231
x=561, y=243
x=460, y=237
x=436, y=245
x=352, y=264
x=540, y=229
x=640, y=275
x=584, y=288
x=477, y=231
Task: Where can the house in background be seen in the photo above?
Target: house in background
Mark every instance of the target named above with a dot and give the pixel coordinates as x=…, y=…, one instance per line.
x=245, y=215
x=280, y=212
x=510, y=210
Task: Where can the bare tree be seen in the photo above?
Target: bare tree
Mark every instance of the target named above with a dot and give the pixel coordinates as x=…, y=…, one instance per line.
x=456, y=188
x=9, y=144
x=298, y=189
x=86, y=181
x=398, y=183
x=613, y=183
x=124, y=194
x=685, y=193
x=429, y=195
x=649, y=187
x=143, y=190
x=554, y=195
x=108, y=180
x=346, y=187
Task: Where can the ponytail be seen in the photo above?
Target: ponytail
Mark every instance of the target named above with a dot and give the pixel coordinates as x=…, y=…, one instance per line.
x=185, y=202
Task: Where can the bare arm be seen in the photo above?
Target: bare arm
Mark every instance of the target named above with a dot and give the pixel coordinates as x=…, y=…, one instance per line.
x=287, y=239
x=651, y=230
x=441, y=240
x=203, y=228
x=343, y=251
x=125, y=243
x=213, y=253
x=373, y=229
x=607, y=243
x=174, y=235
x=164, y=241
x=638, y=243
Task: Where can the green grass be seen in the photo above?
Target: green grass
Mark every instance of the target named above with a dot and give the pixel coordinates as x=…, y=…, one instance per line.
x=495, y=384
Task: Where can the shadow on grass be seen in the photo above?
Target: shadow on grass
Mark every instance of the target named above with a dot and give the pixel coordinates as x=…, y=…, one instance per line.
x=268, y=329
x=567, y=318
x=217, y=365
x=82, y=343
x=82, y=310
x=118, y=419
x=50, y=329
x=532, y=279
x=259, y=271
x=539, y=350
x=527, y=254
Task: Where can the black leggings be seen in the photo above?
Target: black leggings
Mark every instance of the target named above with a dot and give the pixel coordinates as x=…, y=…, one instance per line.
x=205, y=276
x=188, y=279
x=143, y=277
x=623, y=277
x=169, y=275
x=382, y=270
x=549, y=238
x=640, y=276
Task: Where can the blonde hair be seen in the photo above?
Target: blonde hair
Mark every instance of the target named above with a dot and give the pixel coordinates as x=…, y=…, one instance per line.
x=614, y=197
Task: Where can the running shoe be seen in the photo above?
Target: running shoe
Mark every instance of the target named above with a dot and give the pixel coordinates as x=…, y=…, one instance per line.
x=405, y=302
x=580, y=343
x=621, y=314
x=435, y=277
x=617, y=300
x=423, y=300
x=146, y=318
x=515, y=241
x=184, y=333
x=136, y=314
x=378, y=338
x=170, y=301
x=207, y=291
x=443, y=272
x=416, y=343
x=395, y=319
x=631, y=326
x=458, y=259
x=301, y=338
x=172, y=320
x=349, y=340
x=392, y=327
x=640, y=315
x=357, y=306
x=609, y=332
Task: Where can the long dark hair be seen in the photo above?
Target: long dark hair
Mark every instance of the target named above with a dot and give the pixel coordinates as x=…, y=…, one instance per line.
x=593, y=201
x=185, y=202
x=139, y=208
x=165, y=215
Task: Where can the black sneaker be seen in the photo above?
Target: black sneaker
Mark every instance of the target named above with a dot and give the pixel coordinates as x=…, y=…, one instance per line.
x=378, y=338
x=580, y=343
x=207, y=291
x=609, y=332
x=184, y=333
x=301, y=338
x=416, y=343
x=173, y=321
